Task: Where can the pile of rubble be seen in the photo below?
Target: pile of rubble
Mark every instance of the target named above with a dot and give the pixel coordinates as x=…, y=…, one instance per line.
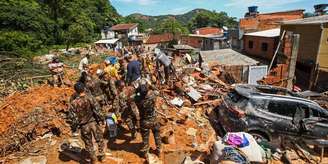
x=186, y=131
x=32, y=113
x=33, y=121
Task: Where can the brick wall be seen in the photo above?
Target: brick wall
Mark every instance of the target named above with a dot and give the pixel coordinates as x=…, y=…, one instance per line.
x=268, y=21
x=192, y=41
x=257, y=46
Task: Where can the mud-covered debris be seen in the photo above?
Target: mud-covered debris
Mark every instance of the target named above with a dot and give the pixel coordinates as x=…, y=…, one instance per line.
x=194, y=94
x=34, y=160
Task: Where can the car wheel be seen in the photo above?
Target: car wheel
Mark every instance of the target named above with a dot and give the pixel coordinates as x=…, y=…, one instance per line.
x=259, y=137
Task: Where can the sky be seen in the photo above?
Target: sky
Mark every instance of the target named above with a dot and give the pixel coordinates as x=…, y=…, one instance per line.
x=235, y=8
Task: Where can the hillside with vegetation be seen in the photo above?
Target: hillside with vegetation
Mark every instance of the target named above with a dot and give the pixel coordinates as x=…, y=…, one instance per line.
x=31, y=26
x=189, y=21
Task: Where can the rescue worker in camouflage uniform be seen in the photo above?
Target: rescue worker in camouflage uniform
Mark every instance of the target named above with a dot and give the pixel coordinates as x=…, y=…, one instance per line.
x=112, y=93
x=145, y=100
x=110, y=88
x=107, y=85
x=127, y=113
x=94, y=87
x=82, y=79
x=85, y=114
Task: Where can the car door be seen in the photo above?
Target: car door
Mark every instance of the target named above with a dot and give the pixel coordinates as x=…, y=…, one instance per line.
x=317, y=122
x=279, y=116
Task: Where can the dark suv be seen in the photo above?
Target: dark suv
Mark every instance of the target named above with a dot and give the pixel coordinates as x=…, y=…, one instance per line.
x=267, y=112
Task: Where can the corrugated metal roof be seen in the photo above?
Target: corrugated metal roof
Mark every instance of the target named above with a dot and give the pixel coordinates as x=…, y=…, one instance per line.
x=266, y=33
x=227, y=57
x=309, y=20
x=107, y=41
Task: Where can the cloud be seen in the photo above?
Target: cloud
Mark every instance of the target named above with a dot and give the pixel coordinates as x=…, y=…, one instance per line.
x=261, y=3
x=139, y=2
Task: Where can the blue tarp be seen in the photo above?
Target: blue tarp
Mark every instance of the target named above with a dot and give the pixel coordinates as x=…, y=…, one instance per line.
x=111, y=59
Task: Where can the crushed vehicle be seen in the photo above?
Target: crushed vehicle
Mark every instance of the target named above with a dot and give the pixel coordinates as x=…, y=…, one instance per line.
x=268, y=112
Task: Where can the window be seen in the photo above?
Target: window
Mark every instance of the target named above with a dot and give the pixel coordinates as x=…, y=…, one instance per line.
x=237, y=100
x=264, y=47
x=317, y=113
x=283, y=108
x=235, y=97
x=259, y=103
x=250, y=44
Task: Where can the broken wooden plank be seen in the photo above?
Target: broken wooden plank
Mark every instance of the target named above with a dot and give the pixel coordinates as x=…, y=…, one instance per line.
x=36, y=77
x=207, y=102
x=305, y=154
x=218, y=81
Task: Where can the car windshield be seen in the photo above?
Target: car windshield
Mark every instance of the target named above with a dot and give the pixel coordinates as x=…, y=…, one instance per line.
x=236, y=99
x=315, y=112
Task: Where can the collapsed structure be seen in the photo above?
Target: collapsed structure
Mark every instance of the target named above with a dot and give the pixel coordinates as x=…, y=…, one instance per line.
x=37, y=125
x=34, y=121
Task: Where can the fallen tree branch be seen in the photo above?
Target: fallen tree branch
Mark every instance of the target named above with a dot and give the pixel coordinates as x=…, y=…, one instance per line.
x=207, y=102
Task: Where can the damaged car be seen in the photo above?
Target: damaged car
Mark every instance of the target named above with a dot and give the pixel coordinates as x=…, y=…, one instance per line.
x=268, y=112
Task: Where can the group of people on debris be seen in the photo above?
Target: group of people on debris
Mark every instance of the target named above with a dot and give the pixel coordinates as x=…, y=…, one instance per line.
x=125, y=90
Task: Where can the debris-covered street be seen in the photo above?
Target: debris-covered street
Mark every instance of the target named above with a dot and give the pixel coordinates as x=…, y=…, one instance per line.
x=35, y=125
x=80, y=83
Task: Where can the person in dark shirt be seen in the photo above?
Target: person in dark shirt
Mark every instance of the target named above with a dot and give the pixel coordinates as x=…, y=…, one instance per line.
x=133, y=70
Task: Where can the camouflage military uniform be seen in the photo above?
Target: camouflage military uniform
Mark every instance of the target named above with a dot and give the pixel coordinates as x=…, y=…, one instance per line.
x=113, y=93
x=128, y=114
x=108, y=87
x=85, y=113
x=148, y=121
x=95, y=89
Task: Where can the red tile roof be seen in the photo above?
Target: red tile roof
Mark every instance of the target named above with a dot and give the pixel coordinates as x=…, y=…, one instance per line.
x=124, y=26
x=160, y=38
x=208, y=31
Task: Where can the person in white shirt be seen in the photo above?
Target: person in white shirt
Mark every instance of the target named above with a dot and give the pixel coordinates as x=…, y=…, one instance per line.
x=83, y=66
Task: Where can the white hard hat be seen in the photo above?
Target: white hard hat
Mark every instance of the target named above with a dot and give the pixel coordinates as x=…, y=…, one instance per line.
x=107, y=61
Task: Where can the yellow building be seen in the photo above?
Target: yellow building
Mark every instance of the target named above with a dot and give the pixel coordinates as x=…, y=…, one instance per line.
x=312, y=60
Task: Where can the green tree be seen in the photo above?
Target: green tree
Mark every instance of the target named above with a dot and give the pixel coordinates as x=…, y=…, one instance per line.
x=18, y=42
x=171, y=26
x=213, y=19
x=45, y=23
x=80, y=30
x=24, y=28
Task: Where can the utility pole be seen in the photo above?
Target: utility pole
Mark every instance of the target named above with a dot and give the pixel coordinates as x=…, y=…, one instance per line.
x=277, y=49
x=293, y=60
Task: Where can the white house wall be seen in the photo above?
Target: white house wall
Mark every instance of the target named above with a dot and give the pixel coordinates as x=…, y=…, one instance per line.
x=133, y=32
